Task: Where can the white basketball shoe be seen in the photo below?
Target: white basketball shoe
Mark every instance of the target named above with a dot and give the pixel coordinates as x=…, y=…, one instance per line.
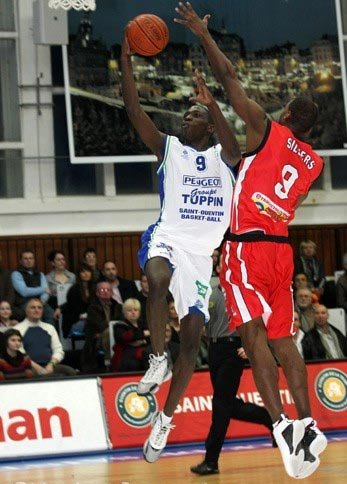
x=313, y=444
x=158, y=372
x=156, y=442
x=288, y=435
x=314, y=438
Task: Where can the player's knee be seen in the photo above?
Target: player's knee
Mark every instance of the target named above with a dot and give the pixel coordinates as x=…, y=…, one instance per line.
x=159, y=283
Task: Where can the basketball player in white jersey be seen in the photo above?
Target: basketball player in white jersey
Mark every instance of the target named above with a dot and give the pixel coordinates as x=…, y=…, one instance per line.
x=195, y=191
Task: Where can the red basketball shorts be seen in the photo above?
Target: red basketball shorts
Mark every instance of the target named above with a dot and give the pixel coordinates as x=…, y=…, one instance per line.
x=257, y=279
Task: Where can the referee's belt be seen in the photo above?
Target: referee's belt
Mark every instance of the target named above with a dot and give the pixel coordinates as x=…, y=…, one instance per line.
x=257, y=236
x=223, y=339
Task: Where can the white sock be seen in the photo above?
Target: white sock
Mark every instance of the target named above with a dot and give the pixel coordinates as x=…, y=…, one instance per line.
x=307, y=421
x=283, y=417
x=165, y=419
x=160, y=357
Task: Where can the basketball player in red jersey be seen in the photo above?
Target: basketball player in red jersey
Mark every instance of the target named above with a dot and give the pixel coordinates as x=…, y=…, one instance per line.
x=275, y=175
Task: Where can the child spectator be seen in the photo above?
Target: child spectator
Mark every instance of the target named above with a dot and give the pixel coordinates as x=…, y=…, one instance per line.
x=13, y=363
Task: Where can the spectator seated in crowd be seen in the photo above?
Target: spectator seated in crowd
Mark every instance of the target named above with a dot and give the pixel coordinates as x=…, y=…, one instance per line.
x=304, y=307
x=299, y=335
x=13, y=363
x=122, y=289
x=324, y=341
x=28, y=282
x=101, y=311
x=59, y=281
x=301, y=282
x=6, y=320
x=142, y=297
x=173, y=320
x=78, y=299
x=90, y=258
x=309, y=264
x=131, y=339
x=171, y=347
x=6, y=286
x=41, y=341
x=341, y=286
x=215, y=263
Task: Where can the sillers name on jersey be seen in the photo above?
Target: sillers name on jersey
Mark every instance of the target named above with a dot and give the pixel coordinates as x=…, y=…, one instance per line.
x=294, y=147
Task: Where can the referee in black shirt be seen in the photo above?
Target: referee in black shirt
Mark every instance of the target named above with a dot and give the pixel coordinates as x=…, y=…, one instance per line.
x=226, y=363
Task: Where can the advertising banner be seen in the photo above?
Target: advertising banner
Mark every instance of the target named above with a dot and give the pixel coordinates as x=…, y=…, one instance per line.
x=129, y=415
x=51, y=417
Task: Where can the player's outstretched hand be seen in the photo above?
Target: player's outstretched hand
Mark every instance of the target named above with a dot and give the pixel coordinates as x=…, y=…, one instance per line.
x=203, y=94
x=191, y=20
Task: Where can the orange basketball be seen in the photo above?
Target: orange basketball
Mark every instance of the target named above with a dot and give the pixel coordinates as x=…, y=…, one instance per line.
x=147, y=34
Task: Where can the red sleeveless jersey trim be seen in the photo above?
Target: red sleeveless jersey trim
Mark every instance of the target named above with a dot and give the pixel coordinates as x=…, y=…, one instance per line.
x=270, y=182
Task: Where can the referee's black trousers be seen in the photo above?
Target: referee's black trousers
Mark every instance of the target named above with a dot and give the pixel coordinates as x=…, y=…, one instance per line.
x=226, y=368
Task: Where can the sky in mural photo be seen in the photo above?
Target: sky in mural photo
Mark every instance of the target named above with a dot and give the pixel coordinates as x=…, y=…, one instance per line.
x=281, y=49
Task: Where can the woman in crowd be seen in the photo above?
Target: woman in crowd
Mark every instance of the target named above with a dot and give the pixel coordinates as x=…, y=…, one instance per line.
x=59, y=281
x=131, y=339
x=13, y=363
x=78, y=299
x=6, y=320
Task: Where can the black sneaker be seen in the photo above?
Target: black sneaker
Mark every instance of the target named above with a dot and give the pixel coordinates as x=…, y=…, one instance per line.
x=205, y=469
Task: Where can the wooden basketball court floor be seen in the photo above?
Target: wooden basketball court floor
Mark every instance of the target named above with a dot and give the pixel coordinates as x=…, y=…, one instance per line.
x=256, y=465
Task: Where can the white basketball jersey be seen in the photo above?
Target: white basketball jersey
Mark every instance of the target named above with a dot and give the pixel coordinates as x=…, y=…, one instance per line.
x=195, y=193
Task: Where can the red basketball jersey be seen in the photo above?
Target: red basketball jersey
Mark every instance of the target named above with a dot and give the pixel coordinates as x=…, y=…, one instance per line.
x=270, y=181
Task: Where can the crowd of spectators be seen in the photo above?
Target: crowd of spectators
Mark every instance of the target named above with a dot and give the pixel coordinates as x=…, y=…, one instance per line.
x=41, y=314
x=317, y=337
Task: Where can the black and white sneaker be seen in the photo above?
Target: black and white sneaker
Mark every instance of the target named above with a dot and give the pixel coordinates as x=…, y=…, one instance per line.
x=313, y=444
x=288, y=435
x=314, y=438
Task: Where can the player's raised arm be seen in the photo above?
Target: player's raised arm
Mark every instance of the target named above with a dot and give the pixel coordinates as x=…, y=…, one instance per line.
x=143, y=124
x=252, y=114
x=231, y=153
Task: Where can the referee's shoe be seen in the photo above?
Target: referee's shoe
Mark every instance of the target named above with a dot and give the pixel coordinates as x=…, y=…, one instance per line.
x=205, y=468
